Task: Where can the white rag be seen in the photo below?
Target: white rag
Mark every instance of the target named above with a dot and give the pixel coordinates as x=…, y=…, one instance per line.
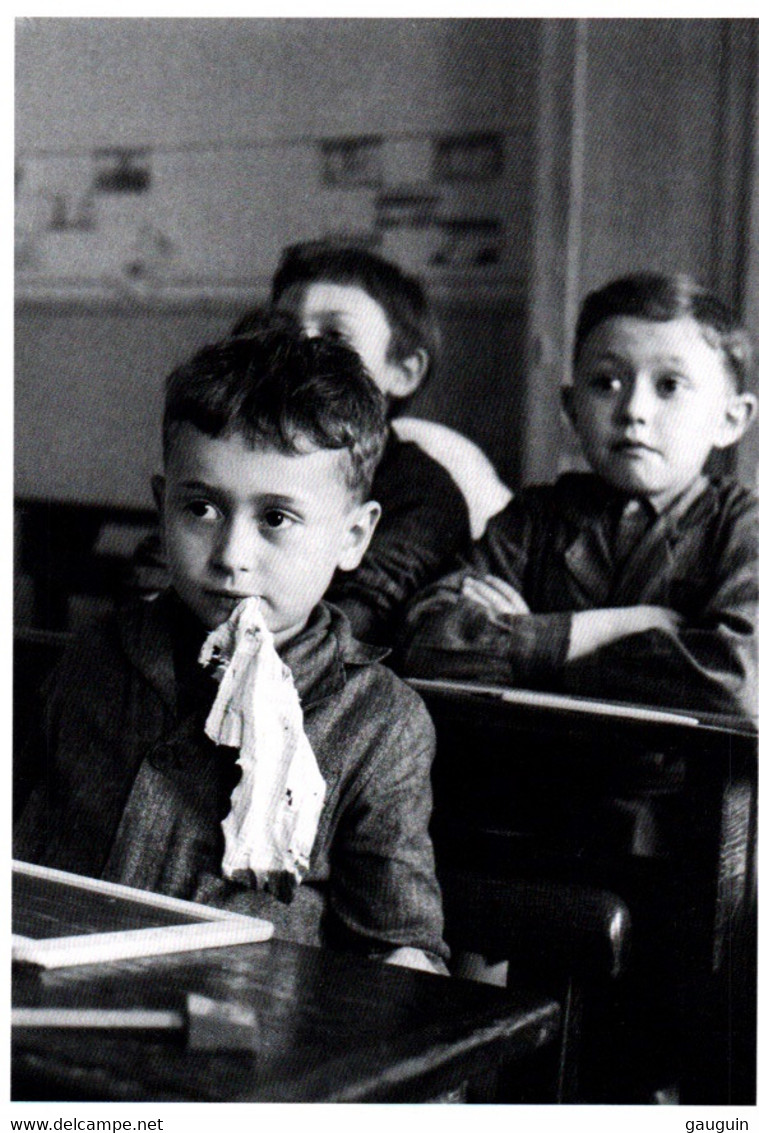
x=275, y=808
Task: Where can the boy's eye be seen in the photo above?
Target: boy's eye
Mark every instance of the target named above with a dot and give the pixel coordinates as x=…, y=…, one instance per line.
x=276, y=520
x=668, y=384
x=203, y=510
x=605, y=381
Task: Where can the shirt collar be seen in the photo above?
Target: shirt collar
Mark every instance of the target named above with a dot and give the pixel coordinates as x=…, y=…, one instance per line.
x=585, y=499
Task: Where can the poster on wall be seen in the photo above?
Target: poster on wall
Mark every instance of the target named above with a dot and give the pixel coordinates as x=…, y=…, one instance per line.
x=144, y=220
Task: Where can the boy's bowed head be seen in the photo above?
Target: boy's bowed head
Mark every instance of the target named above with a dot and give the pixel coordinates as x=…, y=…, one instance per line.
x=370, y=303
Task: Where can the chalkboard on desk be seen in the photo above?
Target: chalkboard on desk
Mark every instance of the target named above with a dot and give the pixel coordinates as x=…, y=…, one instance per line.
x=61, y=919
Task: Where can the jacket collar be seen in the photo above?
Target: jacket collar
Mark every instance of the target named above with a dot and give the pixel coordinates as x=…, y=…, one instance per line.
x=318, y=657
x=145, y=631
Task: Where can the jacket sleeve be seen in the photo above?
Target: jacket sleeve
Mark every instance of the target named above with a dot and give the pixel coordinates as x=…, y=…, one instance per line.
x=424, y=525
x=710, y=662
x=383, y=890
x=85, y=753
x=38, y=810
x=448, y=636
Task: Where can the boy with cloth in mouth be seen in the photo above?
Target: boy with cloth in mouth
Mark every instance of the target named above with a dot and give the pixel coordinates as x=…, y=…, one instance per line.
x=270, y=444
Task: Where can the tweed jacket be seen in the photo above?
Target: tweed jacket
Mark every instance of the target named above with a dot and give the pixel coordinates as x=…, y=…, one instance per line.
x=123, y=742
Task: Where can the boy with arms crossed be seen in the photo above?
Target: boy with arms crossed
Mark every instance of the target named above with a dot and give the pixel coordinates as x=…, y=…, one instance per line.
x=636, y=581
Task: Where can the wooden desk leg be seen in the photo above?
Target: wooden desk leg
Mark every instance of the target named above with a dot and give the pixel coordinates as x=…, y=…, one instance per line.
x=717, y=924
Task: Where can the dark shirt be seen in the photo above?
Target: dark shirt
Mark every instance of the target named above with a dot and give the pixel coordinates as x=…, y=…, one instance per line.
x=133, y=791
x=555, y=545
x=423, y=527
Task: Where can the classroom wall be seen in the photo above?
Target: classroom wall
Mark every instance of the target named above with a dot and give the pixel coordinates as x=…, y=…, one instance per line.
x=158, y=81
x=624, y=143
x=230, y=118
x=669, y=107
x=89, y=384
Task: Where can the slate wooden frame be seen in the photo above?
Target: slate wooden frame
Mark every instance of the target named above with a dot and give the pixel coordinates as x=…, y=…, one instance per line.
x=171, y=924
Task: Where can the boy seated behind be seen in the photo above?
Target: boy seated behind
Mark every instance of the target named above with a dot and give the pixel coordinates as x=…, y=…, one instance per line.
x=384, y=315
x=636, y=581
x=270, y=443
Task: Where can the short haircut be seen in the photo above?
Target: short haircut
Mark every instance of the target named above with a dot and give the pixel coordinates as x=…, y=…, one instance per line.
x=278, y=389
x=660, y=297
x=401, y=296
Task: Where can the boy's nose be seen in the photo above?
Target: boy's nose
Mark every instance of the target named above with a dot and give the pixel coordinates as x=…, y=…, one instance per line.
x=635, y=402
x=236, y=549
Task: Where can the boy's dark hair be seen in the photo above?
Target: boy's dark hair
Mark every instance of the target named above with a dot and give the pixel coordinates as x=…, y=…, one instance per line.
x=276, y=387
x=400, y=295
x=660, y=297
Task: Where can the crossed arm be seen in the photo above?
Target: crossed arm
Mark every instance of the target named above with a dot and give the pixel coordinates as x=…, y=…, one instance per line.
x=589, y=629
x=477, y=625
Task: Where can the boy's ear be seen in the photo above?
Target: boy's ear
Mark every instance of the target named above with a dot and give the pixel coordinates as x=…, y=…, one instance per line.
x=739, y=413
x=358, y=534
x=568, y=402
x=408, y=374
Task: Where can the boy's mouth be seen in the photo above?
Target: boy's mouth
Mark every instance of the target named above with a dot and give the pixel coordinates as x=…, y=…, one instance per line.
x=627, y=447
x=227, y=599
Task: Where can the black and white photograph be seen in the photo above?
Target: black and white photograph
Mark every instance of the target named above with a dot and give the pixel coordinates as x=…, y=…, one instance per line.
x=385, y=546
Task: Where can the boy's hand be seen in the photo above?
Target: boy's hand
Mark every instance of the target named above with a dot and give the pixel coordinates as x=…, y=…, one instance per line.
x=591, y=629
x=495, y=596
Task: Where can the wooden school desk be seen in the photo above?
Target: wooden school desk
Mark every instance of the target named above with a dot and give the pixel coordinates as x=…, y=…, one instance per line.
x=505, y=754
x=332, y=1028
